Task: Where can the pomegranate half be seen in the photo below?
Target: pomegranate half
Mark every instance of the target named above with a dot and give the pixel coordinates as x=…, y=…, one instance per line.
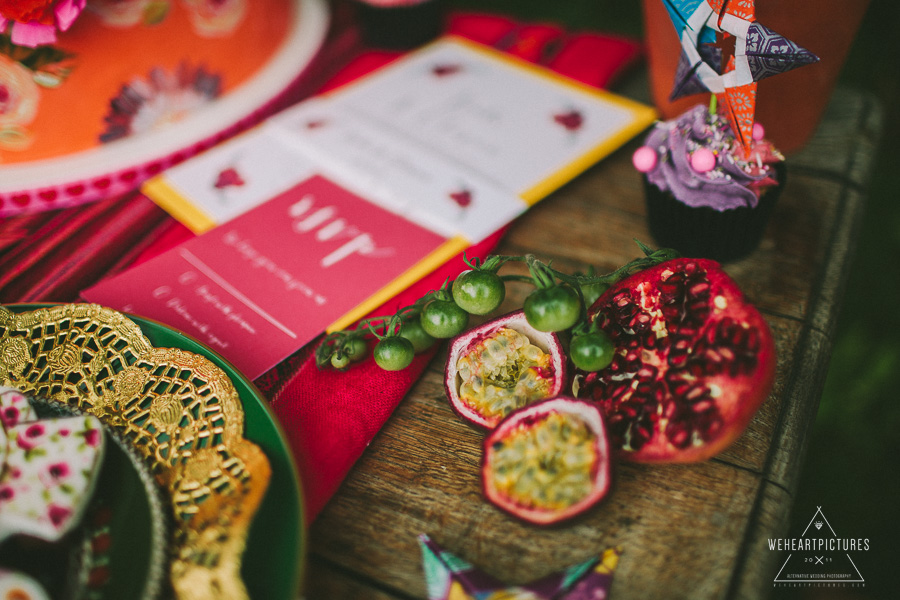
x=548, y=461
x=694, y=361
x=501, y=366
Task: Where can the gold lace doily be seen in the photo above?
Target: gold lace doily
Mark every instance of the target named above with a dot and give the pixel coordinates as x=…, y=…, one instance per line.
x=177, y=409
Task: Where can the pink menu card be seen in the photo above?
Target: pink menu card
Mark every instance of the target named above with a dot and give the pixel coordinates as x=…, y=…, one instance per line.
x=269, y=281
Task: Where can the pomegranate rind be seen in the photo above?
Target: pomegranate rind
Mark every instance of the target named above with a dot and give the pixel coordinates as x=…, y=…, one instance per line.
x=601, y=470
x=737, y=396
x=547, y=342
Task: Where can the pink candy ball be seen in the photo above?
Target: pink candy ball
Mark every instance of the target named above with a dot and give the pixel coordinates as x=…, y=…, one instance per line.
x=703, y=160
x=758, y=132
x=644, y=159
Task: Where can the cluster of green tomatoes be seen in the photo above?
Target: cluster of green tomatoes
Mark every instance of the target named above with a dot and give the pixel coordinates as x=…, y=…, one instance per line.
x=558, y=303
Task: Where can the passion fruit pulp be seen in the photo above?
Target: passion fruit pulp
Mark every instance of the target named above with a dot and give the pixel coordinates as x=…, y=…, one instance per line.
x=501, y=366
x=548, y=462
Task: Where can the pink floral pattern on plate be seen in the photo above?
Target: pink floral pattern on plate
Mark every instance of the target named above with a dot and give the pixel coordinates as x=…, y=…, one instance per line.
x=48, y=470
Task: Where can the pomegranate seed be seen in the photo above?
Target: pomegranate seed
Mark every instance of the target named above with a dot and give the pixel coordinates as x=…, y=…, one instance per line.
x=675, y=326
x=678, y=436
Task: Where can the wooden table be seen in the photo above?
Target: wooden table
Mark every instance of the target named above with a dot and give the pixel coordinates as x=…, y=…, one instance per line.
x=694, y=531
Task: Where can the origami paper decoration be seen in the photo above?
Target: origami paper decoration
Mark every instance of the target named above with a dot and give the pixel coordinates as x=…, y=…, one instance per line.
x=449, y=577
x=759, y=52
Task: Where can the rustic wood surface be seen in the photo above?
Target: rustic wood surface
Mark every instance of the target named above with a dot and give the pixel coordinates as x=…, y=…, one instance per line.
x=694, y=531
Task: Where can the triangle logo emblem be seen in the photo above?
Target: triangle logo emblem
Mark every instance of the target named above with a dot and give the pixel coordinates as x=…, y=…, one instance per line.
x=819, y=555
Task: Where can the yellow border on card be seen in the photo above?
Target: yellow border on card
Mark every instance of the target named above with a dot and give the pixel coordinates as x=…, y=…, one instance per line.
x=429, y=263
x=642, y=116
x=176, y=204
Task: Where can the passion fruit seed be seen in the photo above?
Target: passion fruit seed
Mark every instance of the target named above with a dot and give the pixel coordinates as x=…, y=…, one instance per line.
x=501, y=365
x=502, y=372
x=546, y=464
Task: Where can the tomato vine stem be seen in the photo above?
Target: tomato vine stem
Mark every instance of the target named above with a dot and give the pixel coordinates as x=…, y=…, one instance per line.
x=542, y=275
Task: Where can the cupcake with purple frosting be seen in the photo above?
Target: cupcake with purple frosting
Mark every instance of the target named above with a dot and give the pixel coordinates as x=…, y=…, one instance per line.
x=707, y=195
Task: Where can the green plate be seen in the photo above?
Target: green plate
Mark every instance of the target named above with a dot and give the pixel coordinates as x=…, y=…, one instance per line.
x=272, y=565
x=273, y=561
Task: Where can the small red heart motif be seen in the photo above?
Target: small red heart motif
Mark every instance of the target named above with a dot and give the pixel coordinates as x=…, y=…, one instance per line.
x=229, y=177
x=444, y=70
x=571, y=120
x=48, y=195
x=463, y=197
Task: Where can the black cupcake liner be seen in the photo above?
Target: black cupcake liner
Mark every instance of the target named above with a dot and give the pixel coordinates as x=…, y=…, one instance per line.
x=703, y=232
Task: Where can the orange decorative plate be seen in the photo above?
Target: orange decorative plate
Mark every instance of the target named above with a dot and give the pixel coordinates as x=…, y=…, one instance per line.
x=135, y=86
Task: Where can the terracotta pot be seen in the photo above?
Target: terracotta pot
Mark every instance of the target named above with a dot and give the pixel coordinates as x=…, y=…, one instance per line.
x=788, y=105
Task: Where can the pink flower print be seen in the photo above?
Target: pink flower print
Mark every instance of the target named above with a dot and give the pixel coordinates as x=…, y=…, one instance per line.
x=163, y=98
x=58, y=470
x=7, y=493
x=92, y=437
x=10, y=416
x=53, y=474
x=29, y=438
x=58, y=514
x=35, y=23
x=19, y=97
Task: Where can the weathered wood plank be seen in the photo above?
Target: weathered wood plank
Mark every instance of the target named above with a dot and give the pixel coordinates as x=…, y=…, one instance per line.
x=759, y=564
x=325, y=581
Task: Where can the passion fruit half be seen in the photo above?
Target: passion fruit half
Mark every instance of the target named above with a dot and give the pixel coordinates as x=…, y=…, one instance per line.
x=548, y=462
x=501, y=366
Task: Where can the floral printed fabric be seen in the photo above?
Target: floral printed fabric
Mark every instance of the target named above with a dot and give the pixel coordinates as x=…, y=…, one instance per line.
x=48, y=468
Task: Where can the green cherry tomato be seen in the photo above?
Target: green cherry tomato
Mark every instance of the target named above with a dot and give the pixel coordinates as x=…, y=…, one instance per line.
x=443, y=319
x=592, y=292
x=340, y=360
x=553, y=309
x=356, y=349
x=591, y=351
x=478, y=292
x=393, y=353
x=412, y=330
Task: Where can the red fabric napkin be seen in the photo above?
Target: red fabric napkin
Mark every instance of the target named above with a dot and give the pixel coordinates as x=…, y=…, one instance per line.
x=329, y=417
